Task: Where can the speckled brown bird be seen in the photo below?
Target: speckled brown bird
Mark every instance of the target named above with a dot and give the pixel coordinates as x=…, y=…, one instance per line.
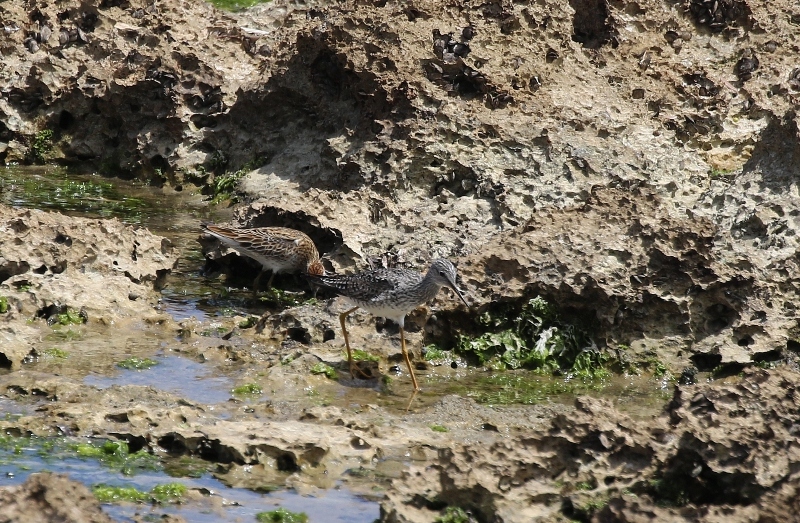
x=277, y=249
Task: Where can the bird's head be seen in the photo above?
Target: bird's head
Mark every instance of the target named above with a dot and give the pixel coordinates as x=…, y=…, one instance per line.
x=316, y=268
x=444, y=273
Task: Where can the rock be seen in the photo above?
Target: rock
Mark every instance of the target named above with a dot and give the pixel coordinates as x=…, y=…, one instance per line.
x=719, y=448
x=55, y=264
x=50, y=498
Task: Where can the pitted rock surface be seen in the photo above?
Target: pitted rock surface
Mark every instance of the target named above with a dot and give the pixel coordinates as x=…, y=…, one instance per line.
x=50, y=498
x=50, y=263
x=720, y=450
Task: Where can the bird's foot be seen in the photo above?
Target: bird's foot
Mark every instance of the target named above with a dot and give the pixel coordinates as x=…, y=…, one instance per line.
x=355, y=369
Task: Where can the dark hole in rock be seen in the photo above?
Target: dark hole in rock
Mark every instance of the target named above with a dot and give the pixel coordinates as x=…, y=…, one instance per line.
x=435, y=504
x=728, y=369
x=5, y=363
x=21, y=283
x=745, y=341
x=13, y=268
x=17, y=389
x=204, y=121
x=590, y=24
x=686, y=477
x=771, y=355
x=299, y=334
x=327, y=73
x=716, y=325
x=706, y=362
x=489, y=427
x=122, y=417
x=159, y=162
x=63, y=239
x=688, y=376
x=65, y=120
x=60, y=267
x=212, y=451
x=720, y=316
x=50, y=311
x=286, y=463
x=104, y=4
x=793, y=346
x=172, y=444
x=358, y=443
x=135, y=443
x=328, y=334
x=391, y=327
x=40, y=270
x=610, y=480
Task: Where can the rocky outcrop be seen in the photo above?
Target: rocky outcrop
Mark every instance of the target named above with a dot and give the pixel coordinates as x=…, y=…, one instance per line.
x=92, y=269
x=428, y=130
x=715, y=451
x=50, y=498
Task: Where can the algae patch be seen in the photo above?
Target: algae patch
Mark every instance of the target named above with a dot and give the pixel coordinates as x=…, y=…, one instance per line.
x=535, y=338
x=324, y=368
x=117, y=456
x=362, y=355
x=134, y=363
x=281, y=515
x=454, y=515
x=526, y=388
x=248, y=389
x=163, y=494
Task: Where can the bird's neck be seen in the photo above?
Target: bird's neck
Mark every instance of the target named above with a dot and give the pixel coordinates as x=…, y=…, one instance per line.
x=430, y=286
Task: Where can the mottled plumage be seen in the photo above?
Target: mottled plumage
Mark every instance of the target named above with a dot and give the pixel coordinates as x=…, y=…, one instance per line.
x=391, y=293
x=277, y=249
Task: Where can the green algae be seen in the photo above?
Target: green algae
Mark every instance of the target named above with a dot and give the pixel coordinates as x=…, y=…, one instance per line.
x=116, y=456
x=324, y=368
x=134, y=363
x=453, y=515
x=248, y=389
x=362, y=355
x=281, y=515
x=56, y=353
x=69, y=193
x=534, y=337
x=162, y=493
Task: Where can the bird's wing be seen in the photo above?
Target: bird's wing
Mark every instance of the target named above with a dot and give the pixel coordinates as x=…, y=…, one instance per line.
x=364, y=286
x=265, y=237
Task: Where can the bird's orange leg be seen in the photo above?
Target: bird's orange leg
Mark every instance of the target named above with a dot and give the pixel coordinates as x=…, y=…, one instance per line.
x=408, y=360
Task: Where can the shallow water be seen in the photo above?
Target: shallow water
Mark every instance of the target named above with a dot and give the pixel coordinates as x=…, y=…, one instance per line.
x=220, y=503
x=197, y=382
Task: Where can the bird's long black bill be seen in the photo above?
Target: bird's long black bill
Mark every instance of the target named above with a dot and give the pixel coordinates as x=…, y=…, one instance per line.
x=458, y=292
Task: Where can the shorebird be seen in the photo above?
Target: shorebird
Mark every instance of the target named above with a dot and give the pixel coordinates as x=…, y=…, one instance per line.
x=390, y=293
x=277, y=249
